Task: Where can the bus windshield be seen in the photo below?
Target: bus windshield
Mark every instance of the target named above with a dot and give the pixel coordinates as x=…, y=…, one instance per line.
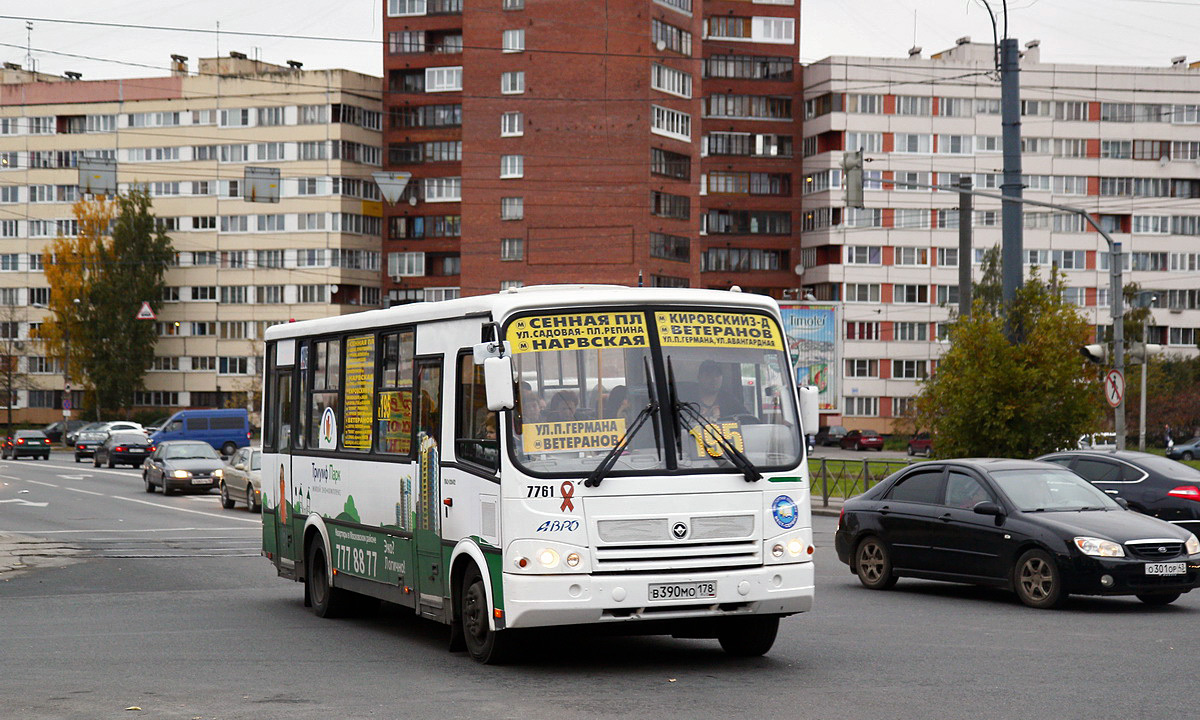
x=584, y=378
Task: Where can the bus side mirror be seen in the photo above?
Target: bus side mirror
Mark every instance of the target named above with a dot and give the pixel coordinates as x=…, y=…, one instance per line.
x=810, y=417
x=498, y=381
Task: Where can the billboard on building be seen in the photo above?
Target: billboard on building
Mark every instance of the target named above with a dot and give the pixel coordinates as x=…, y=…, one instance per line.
x=812, y=338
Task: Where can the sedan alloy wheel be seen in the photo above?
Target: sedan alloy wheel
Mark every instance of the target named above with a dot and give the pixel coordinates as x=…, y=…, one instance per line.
x=1038, y=581
x=874, y=564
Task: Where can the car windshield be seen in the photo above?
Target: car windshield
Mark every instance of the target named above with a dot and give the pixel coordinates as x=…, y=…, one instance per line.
x=129, y=438
x=1170, y=468
x=1051, y=489
x=586, y=380
x=190, y=450
x=30, y=434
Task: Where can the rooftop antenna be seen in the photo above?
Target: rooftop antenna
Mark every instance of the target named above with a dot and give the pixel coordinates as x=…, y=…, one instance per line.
x=29, y=61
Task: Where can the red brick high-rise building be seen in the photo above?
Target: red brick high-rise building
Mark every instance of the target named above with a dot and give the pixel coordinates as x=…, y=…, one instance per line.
x=554, y=141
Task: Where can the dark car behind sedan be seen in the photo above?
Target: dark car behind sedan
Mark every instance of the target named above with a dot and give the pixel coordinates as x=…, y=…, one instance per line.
x=183, y=465
x=86, y=443
x=26, y=443
x=123, y=448
x=1032, y=527
x=1150, y=484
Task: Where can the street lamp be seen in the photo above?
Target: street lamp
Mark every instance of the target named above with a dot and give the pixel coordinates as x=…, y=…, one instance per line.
x=66, y=403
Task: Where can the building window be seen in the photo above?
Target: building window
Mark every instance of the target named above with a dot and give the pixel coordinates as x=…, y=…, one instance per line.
x=669, y=37
x=512, y=166
x=512, y=124
x=913, y=255
x=406, y=264
x=862, y=292
x=910, y=294
x=512, y=4
x=671, y=81
x=399, y=8
x=859, y=406
x=862, y=330
x=669, y=247
x=445, y=189
x=443, y=79
x=861, y=368
x=863, y=255
x=670, y=206
x=512, y=208
x=669, y=164
x=910, y=331
x=512, y=83
x=909, y=369
x=512, y=249
x=670, y=123
x=513, y=41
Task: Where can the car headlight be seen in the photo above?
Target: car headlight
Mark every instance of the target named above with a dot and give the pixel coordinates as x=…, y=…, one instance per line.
x=1192, y=545
x=1099, y=547
x=218, y=473
x=181, y=474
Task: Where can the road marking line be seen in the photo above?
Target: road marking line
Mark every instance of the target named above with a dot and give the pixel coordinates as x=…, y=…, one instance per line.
x=186, y=510
x=86, y=492
x=38, y=482
x=9, y=477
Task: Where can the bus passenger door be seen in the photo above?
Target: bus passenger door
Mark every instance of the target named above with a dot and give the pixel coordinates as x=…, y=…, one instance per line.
x=281, y=476
x=427, y=536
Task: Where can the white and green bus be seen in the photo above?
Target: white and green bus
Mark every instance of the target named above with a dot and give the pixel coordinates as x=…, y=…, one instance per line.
x=547, y=456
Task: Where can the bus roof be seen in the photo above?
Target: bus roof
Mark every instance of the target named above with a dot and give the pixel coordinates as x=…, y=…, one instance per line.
x=500, y=305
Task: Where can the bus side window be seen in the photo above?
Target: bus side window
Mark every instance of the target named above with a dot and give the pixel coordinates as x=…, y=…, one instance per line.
x=394, y=396
x=475, y=427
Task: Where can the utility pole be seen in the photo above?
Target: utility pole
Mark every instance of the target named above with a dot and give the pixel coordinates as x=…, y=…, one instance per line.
x=1118, y=320
x=964, y=246
x=1012, y=267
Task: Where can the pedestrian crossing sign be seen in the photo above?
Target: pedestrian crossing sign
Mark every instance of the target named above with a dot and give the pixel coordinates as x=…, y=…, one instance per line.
x=146, y=313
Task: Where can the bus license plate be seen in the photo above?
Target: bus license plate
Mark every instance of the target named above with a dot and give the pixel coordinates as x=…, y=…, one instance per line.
x=683, y=591
x=1175, y=568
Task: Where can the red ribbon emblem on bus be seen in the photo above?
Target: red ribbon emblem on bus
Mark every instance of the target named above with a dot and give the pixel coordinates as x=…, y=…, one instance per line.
x=568, y=492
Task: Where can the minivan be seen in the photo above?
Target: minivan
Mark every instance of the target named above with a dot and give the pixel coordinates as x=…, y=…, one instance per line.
x=225, y=430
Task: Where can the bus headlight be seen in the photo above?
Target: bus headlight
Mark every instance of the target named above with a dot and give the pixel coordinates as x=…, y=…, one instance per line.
x=548, y=558
x=795, y=546
x=573, y=560
x=543, y=557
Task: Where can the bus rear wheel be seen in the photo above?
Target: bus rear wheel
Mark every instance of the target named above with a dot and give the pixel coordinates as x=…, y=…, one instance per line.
x=327, y=601
x=484, y=644
x=750, y=636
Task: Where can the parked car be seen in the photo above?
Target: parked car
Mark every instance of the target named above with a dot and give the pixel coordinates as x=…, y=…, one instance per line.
x=119, y=425
x=1029, y=526
x=830, y=434
x=86, y=443
x=1186, y=450
x=921, y=444
x=1098, y=441
x=71, y=435
x=862, y=440
x=122, y=447
x=1151, y=484
x=26, y=443
x=242, y=481
x=183, y=465
x=225, y=430
x=56, y=430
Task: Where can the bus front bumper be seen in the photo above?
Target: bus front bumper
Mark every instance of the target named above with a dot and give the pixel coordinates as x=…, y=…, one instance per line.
x=543, y=600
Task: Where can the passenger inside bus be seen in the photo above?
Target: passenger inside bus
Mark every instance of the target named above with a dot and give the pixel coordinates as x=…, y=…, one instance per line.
x=713, y=401
x=563, y=405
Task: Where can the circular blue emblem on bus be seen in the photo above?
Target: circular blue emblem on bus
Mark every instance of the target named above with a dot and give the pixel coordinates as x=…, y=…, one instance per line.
x=785, y=511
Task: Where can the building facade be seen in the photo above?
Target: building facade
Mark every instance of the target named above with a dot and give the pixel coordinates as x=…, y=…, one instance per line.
x=1121, y=142
x=549, y=142
x=240, y=266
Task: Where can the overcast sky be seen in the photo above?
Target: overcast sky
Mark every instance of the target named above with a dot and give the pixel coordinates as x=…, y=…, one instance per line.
x=1134, y=32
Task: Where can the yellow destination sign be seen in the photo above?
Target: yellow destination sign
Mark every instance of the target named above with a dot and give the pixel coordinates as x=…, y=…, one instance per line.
x=578, y=331
x=714, y=329
x=572, y=435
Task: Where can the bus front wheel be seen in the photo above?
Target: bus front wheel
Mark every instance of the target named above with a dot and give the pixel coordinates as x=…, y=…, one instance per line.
x=484, y=644
x=750, y=636
x=327, y=601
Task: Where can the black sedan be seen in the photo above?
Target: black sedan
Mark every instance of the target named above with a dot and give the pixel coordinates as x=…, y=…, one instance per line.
x=86, y=443
x=183, y=465
x=1150, y=484
x=26, y=443
x=1024, y=525
x=123, y=448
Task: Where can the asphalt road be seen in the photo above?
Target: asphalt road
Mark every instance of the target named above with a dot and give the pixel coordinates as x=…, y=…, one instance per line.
x=168, y=608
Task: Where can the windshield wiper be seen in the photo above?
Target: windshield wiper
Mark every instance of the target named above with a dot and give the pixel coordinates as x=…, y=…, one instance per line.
x=597, y=476
x=686, y=415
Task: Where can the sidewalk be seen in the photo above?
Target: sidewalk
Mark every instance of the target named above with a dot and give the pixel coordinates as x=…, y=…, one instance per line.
x=833, y=510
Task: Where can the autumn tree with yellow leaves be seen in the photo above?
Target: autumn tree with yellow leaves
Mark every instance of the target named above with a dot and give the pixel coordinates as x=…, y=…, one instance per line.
x=98, y=281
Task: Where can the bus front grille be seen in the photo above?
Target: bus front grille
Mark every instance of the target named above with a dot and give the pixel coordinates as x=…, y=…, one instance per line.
x=677, y=556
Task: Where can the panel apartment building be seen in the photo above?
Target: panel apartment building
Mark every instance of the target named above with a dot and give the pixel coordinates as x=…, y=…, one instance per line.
x=241, y=266
x=552, y=141
x=1121, y=142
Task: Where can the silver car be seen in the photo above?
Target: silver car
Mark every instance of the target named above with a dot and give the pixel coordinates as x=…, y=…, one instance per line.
x=243, y=480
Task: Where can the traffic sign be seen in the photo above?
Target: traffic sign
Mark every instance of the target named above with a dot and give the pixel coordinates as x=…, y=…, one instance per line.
x=1114, y=387
x=146, y=313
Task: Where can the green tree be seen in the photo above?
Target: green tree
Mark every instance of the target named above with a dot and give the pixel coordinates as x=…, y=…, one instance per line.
x=110, y=276
x=995, y=398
